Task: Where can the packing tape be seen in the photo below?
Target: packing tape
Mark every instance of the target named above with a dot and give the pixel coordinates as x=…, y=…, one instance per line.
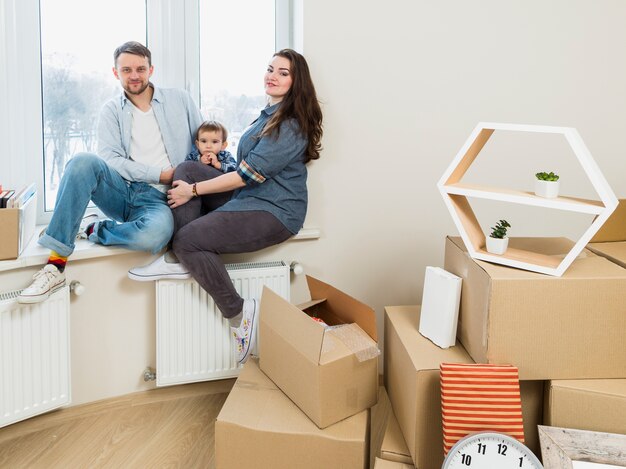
x=357, y=341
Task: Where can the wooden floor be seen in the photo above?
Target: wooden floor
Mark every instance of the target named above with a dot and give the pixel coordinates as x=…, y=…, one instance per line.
x=168, y=427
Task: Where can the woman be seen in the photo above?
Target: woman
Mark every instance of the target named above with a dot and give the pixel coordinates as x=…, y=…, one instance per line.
x=262, y=204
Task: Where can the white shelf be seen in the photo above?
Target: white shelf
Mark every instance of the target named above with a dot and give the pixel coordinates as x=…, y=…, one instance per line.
x=572, y=204
x=457, y=195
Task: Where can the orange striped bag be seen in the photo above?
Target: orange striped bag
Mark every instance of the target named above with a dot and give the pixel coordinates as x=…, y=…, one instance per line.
x=479, y=398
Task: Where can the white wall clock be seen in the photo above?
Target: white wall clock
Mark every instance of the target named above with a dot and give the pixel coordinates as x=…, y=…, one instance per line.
x=490, y=450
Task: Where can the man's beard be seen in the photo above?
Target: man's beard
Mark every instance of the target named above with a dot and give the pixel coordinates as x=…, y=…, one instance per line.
x=139, y=91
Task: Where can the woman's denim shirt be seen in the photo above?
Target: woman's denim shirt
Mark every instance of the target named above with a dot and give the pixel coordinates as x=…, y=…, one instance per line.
x=274, y=170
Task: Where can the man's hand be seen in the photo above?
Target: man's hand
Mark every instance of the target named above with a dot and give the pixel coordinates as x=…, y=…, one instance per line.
x=167, y=176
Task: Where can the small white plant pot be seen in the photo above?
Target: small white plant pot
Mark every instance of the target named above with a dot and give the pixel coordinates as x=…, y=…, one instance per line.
x=497, y=245
x=547, y=189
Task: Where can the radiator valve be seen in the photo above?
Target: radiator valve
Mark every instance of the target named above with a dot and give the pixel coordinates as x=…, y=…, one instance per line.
x=296, y=268
x=149, y=374
x=77, y=288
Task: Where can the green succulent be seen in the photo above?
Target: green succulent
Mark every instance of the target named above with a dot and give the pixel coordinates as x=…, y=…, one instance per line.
x=499, y=231
x=547, y=176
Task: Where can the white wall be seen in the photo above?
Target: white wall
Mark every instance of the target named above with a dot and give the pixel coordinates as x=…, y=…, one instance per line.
x=403, y=84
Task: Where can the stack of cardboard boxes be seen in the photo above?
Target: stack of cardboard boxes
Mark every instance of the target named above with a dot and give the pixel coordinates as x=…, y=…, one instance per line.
x=598, y=404
x=559, y=331
x=306, y=402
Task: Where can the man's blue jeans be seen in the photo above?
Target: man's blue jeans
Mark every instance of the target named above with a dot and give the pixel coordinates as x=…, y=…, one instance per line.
x=146, y=222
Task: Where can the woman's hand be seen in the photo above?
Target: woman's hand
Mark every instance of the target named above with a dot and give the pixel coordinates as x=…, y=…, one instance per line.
x=179, y=194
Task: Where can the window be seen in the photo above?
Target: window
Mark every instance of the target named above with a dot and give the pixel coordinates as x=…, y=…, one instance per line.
x=50, y=42
x=235, y=48
x=76, y=62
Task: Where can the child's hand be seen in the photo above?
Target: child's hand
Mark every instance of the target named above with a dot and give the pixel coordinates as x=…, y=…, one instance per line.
x=211, y=158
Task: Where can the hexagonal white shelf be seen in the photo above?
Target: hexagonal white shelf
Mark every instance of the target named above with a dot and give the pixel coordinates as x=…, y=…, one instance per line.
x=456, y=194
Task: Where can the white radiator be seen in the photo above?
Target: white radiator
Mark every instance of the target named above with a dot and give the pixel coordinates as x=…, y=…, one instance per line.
x=193, y=339
x=34, y=356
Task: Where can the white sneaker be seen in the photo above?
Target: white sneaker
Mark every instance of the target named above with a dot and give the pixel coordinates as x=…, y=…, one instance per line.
x=46, y=282
x=245, y=334
x=164, y=267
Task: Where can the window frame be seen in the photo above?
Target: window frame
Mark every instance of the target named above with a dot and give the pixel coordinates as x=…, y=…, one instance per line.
x=173, y=36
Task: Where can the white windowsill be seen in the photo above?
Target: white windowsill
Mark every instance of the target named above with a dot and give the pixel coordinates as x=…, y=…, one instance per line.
x=34, y=254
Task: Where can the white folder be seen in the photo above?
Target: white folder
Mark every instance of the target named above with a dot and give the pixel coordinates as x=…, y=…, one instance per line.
x=440, y=306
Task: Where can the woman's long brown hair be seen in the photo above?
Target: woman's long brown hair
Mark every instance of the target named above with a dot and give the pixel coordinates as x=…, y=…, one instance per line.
x=300, y=103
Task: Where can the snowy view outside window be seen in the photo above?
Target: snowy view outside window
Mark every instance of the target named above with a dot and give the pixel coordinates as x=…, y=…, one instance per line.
x=77, y=43
x=236, y=45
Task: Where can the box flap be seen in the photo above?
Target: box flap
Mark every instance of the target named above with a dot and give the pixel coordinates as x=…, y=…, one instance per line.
x=299, y=331
x=379, y=416
x=309, y=304
x=614, y=251
x=614, y=228
x=394, y=446
x=344, y=307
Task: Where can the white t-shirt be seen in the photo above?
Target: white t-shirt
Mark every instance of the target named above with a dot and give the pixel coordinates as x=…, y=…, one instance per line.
x=146, y=142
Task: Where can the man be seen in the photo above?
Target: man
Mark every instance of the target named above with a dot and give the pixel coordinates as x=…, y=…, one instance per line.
x=142, y=135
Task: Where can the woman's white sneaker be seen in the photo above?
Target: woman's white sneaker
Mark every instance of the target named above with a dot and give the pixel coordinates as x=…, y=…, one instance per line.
x=164, y=267
x=245, y=334
x=45, y=283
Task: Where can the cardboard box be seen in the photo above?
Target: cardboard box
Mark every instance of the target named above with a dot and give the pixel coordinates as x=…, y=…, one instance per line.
x=384, y=464
x=567, y=327
x=592, y=404
x=379, y=415
x=413, y=384
x=330, y=373
x=393, y=447
x=614, y=228
x=259, y=427
x=17, y=227
x=386, y=440
x=610, y=240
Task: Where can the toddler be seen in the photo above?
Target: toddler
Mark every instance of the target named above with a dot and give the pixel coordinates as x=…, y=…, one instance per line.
x=211, y=142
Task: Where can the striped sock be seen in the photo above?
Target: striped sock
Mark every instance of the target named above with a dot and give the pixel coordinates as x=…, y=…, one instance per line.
x=57, y=260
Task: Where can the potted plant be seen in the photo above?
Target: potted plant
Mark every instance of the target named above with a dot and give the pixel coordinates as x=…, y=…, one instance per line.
x=547, y=185
x=497, y=242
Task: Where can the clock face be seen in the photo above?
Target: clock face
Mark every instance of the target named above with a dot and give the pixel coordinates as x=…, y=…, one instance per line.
x=490, y=450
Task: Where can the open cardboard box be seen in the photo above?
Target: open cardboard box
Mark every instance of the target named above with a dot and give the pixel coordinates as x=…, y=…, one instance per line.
x=17, y=227
x=331, y=373
x=569, y=327
x=610, y=240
